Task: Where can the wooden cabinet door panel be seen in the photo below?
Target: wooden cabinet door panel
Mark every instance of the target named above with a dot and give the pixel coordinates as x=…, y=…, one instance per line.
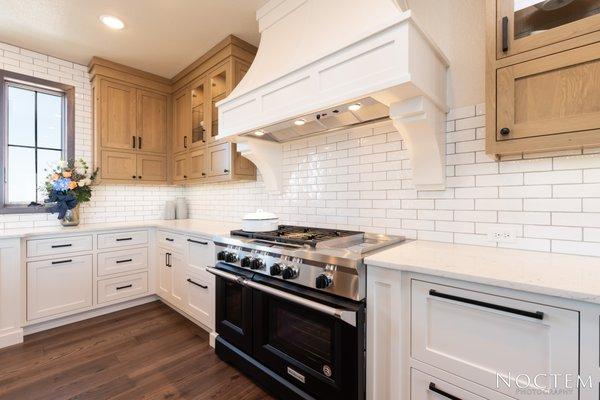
x=180, y=169
x=118, y=127
x=552, y=95
x=197, y=164
x=151, y=168
x=241, y=165
x=218, y=159
x=152, y=121
x=118, y=165
x=182, y=120
x=219, y=84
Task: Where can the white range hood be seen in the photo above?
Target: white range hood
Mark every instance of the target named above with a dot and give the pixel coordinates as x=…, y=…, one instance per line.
x=315, y=58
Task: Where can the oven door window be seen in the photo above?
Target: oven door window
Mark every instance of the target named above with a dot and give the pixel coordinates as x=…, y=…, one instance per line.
x=234, y=314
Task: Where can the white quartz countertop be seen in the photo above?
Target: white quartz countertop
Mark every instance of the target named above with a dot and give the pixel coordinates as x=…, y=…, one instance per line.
x=190, y=226
x=561, y=275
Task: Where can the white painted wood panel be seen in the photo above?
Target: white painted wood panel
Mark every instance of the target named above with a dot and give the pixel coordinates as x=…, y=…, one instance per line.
x=200, y=254
x=170, y=240
x=200, y=298
x=119, y=261
x=165, y=275
x=59, y=245
x=10, y=293
x=122, y=239
x=122, y=287
x=59, y=286
x=477, y=342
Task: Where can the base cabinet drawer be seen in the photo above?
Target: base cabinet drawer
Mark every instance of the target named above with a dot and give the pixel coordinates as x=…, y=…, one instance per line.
x=170, y=240
x=426, y=387
x=484, y=337
x=54, y=246
x=119, y=261
x=199, y=298
x=58, y=286
x=122, y=239
x=122, y=287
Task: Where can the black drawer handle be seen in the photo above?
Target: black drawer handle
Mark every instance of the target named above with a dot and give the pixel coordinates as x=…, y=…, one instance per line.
x=124, y=261
x=58, y=246
x=61, y=261
x=197, y=284
x=124, y=287
x=441, y=392
x=504, y=34
x=123, y=239
x=169, y=239
x=139, y=142
x=197, y=241
x=536, y=315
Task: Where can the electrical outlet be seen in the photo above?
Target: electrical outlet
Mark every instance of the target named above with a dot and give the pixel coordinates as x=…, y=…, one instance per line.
x=502, y=235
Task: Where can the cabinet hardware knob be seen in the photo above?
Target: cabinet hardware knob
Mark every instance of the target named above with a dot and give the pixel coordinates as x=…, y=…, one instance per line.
x=504, y=131
x=185, y=142
x=139, y=177
x=133, y=176
x=204, y=174
x=185, y=177
x=226, y=170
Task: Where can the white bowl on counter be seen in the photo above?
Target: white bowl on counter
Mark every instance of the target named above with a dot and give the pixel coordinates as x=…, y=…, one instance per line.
x=260, y=221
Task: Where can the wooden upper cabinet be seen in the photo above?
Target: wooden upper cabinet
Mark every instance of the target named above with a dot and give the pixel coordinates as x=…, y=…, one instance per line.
x=523, y=25
x=199, y=113
x=182, y=120
x=542, y=76
x=118, y=115
x=197, y=164
x=152, y=122
x=219, y=159
x=219, y=86
x=180, y=162
x=118, y=166
x=151, y=168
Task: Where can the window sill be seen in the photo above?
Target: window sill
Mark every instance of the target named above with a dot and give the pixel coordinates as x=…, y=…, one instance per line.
x=23, y=210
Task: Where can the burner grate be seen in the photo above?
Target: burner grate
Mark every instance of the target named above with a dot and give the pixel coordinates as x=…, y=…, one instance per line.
x=298, y=234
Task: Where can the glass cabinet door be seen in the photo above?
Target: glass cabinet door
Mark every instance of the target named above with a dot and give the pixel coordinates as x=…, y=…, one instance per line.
x=524, y=24
x=218, y=87
x=198, y=114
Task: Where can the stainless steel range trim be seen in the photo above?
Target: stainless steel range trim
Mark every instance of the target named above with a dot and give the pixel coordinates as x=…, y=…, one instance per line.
x=347, y=316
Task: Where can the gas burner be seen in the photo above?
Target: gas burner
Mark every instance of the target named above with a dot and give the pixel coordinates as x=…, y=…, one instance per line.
x=300, y=235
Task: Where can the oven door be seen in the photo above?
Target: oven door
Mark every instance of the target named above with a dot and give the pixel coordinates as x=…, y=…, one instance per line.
x=316, y=346
x=233, y=307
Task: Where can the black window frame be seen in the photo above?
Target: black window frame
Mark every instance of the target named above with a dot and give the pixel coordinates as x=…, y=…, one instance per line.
x=69, y=121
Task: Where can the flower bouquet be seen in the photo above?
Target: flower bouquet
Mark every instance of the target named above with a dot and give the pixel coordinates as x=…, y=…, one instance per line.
x=67, y=185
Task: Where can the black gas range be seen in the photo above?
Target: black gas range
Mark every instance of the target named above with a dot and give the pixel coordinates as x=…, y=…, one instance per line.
x=290, y=308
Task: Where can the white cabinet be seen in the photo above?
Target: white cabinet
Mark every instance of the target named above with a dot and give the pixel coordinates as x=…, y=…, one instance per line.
x=59, y=286
x=177, y=263
x=171, y=276
x=122, y=287
x=200, y=254
x=122, y=239
x=200, y=298
x=170, y=240
x=59, y=246
x=482, y=336
x=428, y=387
x=165, y=276
x=119, y=261
x=10, y=293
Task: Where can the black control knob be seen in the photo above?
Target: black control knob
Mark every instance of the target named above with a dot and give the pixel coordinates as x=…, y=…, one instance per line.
x=246, y=262
x=222, y=255
x=257, y=263
x=323, y=281
x=231, y=257
x=290, y=272
x=275, y=269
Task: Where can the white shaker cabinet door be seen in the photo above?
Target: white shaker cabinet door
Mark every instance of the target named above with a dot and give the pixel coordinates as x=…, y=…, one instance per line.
x=10, y=293
x=59, y=286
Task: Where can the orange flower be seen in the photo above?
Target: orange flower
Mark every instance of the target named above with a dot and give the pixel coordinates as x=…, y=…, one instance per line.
x=67, y=174
x=72, y=185
x=54, y=177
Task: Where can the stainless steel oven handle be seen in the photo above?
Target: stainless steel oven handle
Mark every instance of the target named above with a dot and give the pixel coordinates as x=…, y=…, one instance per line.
x=347, y=316
x=227, y=275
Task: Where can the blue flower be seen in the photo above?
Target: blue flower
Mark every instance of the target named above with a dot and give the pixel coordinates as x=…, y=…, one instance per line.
x=62, y=184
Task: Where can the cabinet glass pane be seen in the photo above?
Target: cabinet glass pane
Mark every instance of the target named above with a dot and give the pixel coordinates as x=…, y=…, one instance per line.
x=532, y=17
x=21, y=185
x=49, y=120
x=198, y=127
x=217, y=93
x=21, y=116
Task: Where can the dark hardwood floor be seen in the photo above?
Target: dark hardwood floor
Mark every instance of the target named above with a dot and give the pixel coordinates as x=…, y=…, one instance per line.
x=145, y=352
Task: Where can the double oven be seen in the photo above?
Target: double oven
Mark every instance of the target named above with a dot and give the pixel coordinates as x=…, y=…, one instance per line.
x=296, y=342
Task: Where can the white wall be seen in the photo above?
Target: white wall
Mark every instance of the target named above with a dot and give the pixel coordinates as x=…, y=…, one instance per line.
x=109, y=203
x=458, y=28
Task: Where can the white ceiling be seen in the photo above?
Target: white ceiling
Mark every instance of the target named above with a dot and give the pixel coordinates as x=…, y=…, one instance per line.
x=160, y=36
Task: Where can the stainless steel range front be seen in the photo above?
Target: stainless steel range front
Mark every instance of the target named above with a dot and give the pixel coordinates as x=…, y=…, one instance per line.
x=290, y=308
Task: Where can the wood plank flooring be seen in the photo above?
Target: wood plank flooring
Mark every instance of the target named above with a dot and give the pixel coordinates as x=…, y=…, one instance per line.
x=145, y=352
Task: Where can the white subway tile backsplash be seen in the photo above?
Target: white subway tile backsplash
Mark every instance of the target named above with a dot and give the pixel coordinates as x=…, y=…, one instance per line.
x=583, y=190
x=577, y=162
x=553, y=177
x=552, y=205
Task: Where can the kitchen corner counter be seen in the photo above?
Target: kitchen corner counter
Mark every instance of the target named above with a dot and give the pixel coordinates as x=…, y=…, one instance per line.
x=561, y=275
x=190, y=226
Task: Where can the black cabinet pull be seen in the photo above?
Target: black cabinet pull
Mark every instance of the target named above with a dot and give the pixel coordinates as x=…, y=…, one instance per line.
x=169, y=239
x=204, y=174
x=133, y=176
x=185, y=177
x=169, y=260
x=197, y=284
x=197, y=241
x=226, y=171
x=58, y=246
x=504, y=34
x=504, y=131
x=140, y=177
x=124, y=261
x=124, y=287
x=123, y=239
x=61, y=261
x=441, y=392
x=536, y=315
x=185, y=142
x=139, y=142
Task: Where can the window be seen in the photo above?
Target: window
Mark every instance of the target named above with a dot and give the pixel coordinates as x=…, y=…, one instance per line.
x=37, y=130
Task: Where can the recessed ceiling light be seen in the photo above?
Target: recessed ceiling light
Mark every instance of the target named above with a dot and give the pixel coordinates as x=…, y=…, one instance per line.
x=354, y=107
x=299, y=122
x=259, y=133
x=112, y=22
